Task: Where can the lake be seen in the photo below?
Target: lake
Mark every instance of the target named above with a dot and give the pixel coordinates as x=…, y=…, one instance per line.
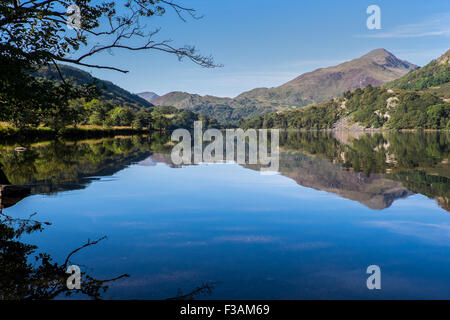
x=340, y=202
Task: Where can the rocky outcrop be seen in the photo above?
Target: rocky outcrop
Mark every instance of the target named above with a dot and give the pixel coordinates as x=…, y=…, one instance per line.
x=10, y=195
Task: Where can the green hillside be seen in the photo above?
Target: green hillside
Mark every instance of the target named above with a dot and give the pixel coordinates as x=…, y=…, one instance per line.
x=110, y=92
x=433, y=75
x=364, y=108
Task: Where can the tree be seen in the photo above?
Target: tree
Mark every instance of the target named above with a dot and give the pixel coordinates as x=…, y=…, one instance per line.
x=34, y=33
x=120, y=116
x=77, y=111
x=97, y=111
x=143, y=119
x=438, y=116
x=160, y=121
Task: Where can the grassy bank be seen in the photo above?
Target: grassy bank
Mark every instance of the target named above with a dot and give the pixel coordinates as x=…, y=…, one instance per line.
x=80, y=132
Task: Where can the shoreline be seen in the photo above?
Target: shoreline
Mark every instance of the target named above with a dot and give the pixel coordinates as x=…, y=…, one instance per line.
x=7, y=132
x=10, y=133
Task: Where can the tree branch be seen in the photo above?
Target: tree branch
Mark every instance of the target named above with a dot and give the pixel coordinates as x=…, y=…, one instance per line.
x=89, y=243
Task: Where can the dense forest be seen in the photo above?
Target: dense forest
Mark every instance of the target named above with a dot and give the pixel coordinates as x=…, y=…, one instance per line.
x=369, y=107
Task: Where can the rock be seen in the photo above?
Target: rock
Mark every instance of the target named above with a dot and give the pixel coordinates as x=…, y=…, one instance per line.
x=10, y=195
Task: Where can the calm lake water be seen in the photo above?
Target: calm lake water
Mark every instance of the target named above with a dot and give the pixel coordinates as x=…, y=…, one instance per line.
x=339, y=204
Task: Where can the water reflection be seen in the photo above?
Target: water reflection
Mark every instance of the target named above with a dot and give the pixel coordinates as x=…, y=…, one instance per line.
x=31, y=275
x=278, y=236
x=373, y=169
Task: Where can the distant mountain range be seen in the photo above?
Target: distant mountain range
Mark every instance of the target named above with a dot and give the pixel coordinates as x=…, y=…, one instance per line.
x=376, y=68
x=149, y=96
x=111, y=92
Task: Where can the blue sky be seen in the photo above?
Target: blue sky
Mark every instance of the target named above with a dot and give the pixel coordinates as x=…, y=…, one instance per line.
x=264, y=43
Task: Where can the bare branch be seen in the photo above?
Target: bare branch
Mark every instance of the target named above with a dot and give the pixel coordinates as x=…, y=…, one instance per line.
x=89, y=243
x=59, y=71
x=121, y=27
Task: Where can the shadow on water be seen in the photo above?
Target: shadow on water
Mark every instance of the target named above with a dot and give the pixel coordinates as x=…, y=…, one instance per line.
x=31, y=275
x=28, y=274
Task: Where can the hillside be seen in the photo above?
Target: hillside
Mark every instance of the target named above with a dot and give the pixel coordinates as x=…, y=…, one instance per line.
x=432, y=76
x=111, y=92
x=374, y=107
x=225, y=110
x=371, y=107
x=376, y=68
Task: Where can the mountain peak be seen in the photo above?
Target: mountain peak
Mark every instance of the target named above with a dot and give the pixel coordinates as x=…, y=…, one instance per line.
x=378, y=52
x=148, y=95
x=375, y=68
x=387, y=59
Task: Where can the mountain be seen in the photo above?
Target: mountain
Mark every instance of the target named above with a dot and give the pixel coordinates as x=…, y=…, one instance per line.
x=110, y=91
x=186, y=100
x=376, y=68
x=225, y=110
x=149, y=96
x=435, y=77
x=398, y=105
x=374, y=191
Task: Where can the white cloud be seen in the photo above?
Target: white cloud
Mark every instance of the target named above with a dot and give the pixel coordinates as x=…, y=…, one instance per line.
x=430, y=232
x=436, y=26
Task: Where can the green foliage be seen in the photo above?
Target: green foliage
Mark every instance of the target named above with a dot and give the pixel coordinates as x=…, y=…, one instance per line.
x=438, y=116
x=109, y=92
x=436, y=73
x=313, y=117
x=142, y=119
x=28, y=101
x=370, y=107
x=56, y=165
x=34, y=38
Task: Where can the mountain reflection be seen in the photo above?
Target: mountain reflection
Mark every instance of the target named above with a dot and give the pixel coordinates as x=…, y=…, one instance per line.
x=373, y=169
x=381, y=167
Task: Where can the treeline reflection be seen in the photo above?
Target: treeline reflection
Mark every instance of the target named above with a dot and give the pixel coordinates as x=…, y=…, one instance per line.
x=374, y=169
